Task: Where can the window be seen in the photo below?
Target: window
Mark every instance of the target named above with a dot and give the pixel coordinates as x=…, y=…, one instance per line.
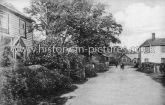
x=124, y=59
x=162, y=60
x=22, y=28
x=163, y=49
x=147, y=49
x=4, y=22
x=146, y=60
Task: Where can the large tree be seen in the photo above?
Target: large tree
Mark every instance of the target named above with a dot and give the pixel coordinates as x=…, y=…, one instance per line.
x=85, y=24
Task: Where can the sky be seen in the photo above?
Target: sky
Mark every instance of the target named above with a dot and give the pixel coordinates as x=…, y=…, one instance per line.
x=139, y=18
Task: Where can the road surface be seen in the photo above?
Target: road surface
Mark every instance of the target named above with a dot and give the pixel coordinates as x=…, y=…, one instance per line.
x=117, y=87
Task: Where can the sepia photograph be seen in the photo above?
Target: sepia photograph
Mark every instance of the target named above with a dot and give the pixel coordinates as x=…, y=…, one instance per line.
x=82, y=52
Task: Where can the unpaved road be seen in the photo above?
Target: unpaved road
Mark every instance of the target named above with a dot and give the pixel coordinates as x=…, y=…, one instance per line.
x=117, y=87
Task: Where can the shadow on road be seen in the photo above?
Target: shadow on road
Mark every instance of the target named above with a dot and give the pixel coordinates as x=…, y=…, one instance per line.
x=60, y=100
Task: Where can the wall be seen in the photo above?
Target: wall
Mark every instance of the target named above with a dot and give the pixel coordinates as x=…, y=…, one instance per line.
x=14, y=28
x=155, y=56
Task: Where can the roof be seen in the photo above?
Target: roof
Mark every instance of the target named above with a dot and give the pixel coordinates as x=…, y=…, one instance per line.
x=12, y=9
x=130, y=56
x=124, y=55
x=18, y=41
x=109, y=54
x=156, y=42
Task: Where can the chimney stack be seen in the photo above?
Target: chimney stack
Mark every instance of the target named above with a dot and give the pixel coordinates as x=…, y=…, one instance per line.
x=153, y=36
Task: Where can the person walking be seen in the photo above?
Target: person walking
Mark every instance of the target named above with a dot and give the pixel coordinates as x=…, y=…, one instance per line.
x=122, y=66
x=116, y=64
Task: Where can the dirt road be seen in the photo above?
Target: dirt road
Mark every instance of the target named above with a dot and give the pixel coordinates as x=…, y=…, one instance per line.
x=117, y=87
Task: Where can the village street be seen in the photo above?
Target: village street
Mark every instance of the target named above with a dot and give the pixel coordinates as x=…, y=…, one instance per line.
x=117, y=87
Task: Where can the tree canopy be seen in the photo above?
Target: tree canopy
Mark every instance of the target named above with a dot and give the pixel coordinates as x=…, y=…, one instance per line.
x=78, y=21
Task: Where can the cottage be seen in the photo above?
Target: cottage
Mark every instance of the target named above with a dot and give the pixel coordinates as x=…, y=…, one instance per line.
x=15, y=27
x=153, y=50
x=129, y=59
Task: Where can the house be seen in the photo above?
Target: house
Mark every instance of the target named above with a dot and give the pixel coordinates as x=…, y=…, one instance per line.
x=15, y=27
x=114, y=54
x=129, y=59
x=152, y=50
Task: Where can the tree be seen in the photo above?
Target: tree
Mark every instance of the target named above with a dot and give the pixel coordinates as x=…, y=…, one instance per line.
x=50, y=15
x=94, y=27
x=88, y=25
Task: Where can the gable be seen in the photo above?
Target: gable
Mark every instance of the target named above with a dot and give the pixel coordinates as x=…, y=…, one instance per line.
x=18, y=42
x=124, y=56
x=132, y=56
x=11, y=9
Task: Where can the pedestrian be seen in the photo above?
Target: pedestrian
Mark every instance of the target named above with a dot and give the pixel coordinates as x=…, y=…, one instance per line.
x=122, y=66
x=116, y=64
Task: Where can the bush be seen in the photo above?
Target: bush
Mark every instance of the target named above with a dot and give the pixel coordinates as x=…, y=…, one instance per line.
x=101, y=67
x=76, y=67
x=70, y=65
x=90, y=70
x=6, y=59
x=78, y=75
x=136, y=65
x=50, y=79
x=147, y=67
x=28, y=83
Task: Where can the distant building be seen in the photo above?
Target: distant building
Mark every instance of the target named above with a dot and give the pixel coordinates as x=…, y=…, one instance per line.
x=153, y=50
x=15, y=27
x=129, y=59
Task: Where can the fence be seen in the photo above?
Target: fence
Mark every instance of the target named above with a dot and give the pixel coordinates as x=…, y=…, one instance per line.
x=153, y=68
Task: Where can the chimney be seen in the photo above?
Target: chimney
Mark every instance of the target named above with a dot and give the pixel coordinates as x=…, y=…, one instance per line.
x=153, y=36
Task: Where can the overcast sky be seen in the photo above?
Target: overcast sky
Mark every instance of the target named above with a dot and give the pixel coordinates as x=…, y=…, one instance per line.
x=139, y=18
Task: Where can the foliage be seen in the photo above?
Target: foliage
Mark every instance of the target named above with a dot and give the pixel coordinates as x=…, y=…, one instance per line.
x=44, y=53
x=85, y=24
x=77, y=72
x=147, y=67
x=101, y=67
x=6, y=59
x=92, y=28
x=90, y=70
x=28, y=83
x=71, y=23
x=68, y=64
x=136, y=65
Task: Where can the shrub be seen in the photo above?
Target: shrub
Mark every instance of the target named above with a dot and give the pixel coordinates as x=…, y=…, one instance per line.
x=136, y=65
x=76, y=67
x=27, y=83
x=50, y=61
x=101, y=67
x=78, y=75
x=50, y=79
x=70, y=65
x=6, y=59
x=90, y=70
x=63, y=62
x=147, y=67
